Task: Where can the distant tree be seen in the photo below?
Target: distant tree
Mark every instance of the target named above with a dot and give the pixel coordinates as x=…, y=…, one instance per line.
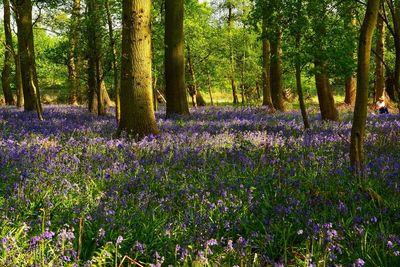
x=137, y=112
x=114, y=60
x=73, y=57
x=379, y=58
x=360, y=110
x=26, y=50
x=6, y=73
x=319, y=11
x=175, y=59
x=98, y=96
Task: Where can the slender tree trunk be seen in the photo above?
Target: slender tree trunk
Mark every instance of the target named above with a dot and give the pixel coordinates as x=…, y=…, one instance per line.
x=175, y=59
x=360, y=110
x=74, y=83
x=6, y=73
x=26, y=51
x=242, y=82
x=209, y=89
x=379, y=57
x=114, y=60
x=197, y=98
x=18, y=81
x=98, y=96
x=232, y=56
x=350, y=80
x=276, y=70
x=267, y=100
x=325, y=96
x=137, y=113
x=396, y=22
x=299, y=86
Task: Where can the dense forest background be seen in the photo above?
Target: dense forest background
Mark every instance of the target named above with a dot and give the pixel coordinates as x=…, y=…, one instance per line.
x=223, y=42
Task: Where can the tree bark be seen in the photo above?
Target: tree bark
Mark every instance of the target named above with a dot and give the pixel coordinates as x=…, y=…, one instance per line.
x=267, y=100
x=232, y=56
x=74, y=83
x=175, y=59
x=360, y=110
x=137, y=113
x=18, y=81
x=299, y=85
x=26, y=52
x=325, y=96
x=350, y=80
x=379, y=57
x=114, y=60
x=6, y=73
x=276, y=70
x=98, y=96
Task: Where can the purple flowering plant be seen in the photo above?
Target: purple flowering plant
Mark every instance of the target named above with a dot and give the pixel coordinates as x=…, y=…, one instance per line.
x=225, y=186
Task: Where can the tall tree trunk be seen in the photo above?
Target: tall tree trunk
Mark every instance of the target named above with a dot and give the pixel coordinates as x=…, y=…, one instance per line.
x=360, y=110
x=396, y=23
x=299, y=86
x=114, y=60
x=379, y=57
x=175, y=59
x=232, y=56
x=267, y=100
x=18, y=81
x=98, y=96
x=6, y=73
x=197, y=98
x=276, y=70
x=137, y=113
x=26, y=51
x=74, y=83
x=350, y=80
x=325, y=96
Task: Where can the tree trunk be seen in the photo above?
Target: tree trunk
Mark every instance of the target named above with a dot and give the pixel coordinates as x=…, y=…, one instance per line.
x=350, y=88
x=197, y=98
x=299, y=86
x=267, y=100
x=350, y=80
x=114, y=60
x=276, y=70
x=137, y=113
x=26, y=52
x=74, y=83
x=98, y=96
x=325, y=96
x=396, y=23
x=6, y=73
x=379, y=57
x=209, y=89
x=232, y=57
x=360, y=110
x=18, y=81
x=175, y=59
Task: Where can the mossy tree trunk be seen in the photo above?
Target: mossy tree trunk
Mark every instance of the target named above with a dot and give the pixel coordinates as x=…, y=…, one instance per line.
x=325, y=95
x=6, y=72
x=137, y=112
x=23, y=9
x=266, y=61
x=360, y=110
x=175, y=59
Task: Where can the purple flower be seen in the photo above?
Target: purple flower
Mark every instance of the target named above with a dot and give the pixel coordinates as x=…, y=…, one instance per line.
x=359, y=262
x=119, y=240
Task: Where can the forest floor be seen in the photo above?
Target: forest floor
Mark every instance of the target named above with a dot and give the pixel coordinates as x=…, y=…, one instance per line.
x=224, y=187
